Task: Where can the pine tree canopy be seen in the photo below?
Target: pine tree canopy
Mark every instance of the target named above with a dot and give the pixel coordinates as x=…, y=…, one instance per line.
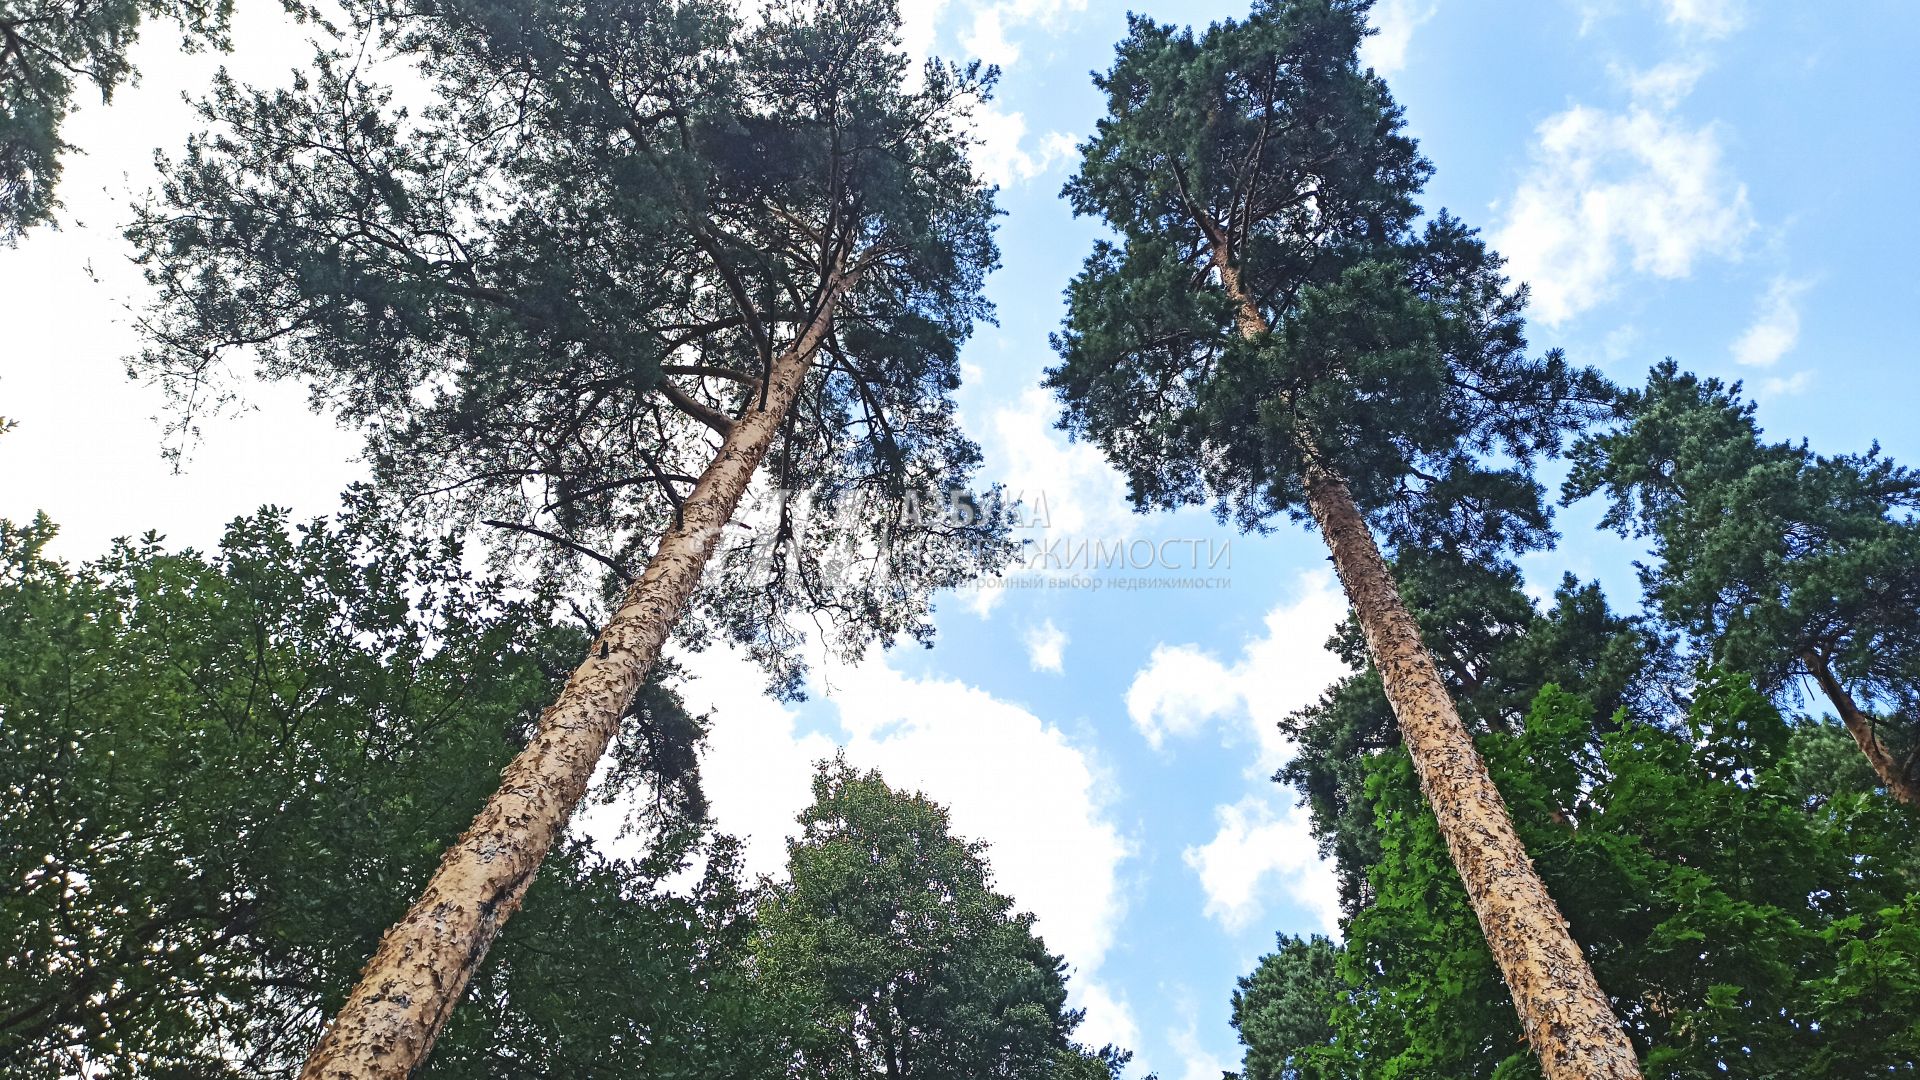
x=48, y=47
x=1772, y=558
x=543, y=253
x=1258, y=158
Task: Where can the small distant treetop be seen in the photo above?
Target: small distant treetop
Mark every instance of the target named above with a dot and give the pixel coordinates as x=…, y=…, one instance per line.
x=890, y=937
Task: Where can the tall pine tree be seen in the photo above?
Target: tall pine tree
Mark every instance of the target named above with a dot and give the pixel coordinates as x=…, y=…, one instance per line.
x=626, y=252
x=1274, y=331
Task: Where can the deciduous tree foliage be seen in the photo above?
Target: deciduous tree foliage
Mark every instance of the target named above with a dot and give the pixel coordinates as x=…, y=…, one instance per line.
x=889, y=938
x=1751, y=916
x=1773, y=559
x=616, y=232
x=1496, y=650
x=49, y=47
x=224, y=775
x=1274, y=329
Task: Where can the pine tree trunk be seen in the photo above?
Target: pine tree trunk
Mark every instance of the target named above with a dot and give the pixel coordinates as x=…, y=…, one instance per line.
x=420, y=970
x=1567, y=1018
x=1860, y=726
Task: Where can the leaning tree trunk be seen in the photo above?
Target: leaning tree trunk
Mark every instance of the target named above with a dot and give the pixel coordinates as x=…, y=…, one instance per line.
x=1861, y=727
x=1567, y=1017
x=422, y=966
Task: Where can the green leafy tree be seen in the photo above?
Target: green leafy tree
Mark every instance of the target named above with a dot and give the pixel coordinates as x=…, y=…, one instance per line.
x=48, y=48
x=1773, y=559
x=1751, y=917
x=629, y=251
x=1273, y=329
x=224, y=774
x=1496, y=650
x=890, y=940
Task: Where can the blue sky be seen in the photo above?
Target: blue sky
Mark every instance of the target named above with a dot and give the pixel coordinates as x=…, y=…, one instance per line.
x=1724, y=182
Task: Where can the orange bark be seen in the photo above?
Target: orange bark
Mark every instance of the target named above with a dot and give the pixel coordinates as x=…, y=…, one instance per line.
x=1567, y=1017
x=1860, y=726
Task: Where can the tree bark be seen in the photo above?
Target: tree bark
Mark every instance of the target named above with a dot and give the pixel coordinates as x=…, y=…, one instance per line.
x=1567, y=1017
x=420, y=971
x=1860, y=726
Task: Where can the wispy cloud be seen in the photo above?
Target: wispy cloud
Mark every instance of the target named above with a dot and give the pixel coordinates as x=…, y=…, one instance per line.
x=1197, y=1062
x=1776, y=325
x=1394, y=22
x=1664, y=84
x=1706, y=18
x=1785, y=385
x=1046, y=645
x=1607, y=194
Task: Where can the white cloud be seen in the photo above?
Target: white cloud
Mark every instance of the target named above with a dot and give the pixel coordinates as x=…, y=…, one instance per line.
x=1004, y=154
x=1787, y=385
x=1080, y=494
x=988, y=31
x=1776, y=325
x=1664, y=84
x=1640, y=190
x=1109, y=1020
x=1178, y=692
x=1706, y=18
x=1255, y=848
x=1183, y=687
x=1045, y=644
x=1259, y=851
x=1394, y=22
x=1000, y=768
x=986, y=36
x=1608, y=193
x=87, y=450
x=1067, y=492
x=919, y=25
